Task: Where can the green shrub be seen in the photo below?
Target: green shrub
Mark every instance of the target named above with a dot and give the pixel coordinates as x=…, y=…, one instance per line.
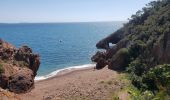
x=159, y=77
x=137, y=67
x=137, y=48
x=124, y=53
x=147, y=95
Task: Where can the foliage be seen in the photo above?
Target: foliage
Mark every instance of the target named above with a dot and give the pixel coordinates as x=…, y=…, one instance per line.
x=137, y=48
x=123, y=53
x=158, y=76
x=137, y=67
x=145, y=30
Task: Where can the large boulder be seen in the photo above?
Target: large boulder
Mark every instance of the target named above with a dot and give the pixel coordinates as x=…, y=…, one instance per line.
x=22, y=81
x=100, y=59
x=19, y=67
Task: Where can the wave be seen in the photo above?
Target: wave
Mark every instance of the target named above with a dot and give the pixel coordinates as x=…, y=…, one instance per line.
x=54, y=73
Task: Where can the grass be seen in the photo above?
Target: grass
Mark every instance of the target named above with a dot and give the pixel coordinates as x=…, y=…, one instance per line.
x=134, y=93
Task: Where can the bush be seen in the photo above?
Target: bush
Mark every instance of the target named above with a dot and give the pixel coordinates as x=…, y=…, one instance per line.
x=120, y=60
x=137, y=48
x=159, y=77
x=137, y=67
x=123, y=54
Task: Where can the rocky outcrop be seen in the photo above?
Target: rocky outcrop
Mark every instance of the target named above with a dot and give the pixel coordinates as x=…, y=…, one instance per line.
x=25, y=54
x=22, y=81
x=109, y=57
x=6, y=50
x=19, y=67
x=141, y=48
x=100, y=58
x=3, y=80
x=112, y=38
x=143, y=36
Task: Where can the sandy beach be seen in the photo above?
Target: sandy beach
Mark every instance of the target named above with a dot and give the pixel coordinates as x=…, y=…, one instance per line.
x=81, y=84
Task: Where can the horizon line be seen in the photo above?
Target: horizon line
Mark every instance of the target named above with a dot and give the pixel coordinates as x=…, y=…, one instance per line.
x=58, y=22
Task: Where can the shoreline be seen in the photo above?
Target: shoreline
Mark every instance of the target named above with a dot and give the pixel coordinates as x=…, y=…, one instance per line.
x=81, y=83
x=64, y=71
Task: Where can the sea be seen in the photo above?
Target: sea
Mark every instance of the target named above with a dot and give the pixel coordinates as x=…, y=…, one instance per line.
x=61, y=46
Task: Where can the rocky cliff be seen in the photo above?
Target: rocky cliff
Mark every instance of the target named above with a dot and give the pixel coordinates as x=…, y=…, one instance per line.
x=18, y=67
x=140, y=47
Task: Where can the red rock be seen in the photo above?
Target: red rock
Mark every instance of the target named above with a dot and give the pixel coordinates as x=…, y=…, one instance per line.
x=21, y=66
x=21, y=82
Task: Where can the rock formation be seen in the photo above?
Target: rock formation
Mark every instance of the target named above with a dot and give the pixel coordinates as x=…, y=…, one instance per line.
x=18, y=67
x=142, y=31
x=141, y=48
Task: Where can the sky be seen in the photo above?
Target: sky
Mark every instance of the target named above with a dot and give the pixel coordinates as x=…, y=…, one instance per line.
x=37, y=11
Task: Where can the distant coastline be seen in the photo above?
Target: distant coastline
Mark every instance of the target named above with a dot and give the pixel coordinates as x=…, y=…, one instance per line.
x=61, y=22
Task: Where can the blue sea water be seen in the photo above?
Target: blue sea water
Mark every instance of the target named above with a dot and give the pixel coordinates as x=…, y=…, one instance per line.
x=60, y=45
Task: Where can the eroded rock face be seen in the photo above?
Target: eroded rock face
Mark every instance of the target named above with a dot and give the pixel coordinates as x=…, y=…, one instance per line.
x=100, y=58
x=22, y=81
x=113, y=38
x=3, y=81
x=19, y=67
x=109, y=57
x=25, y=54
x=6, y=50
x=159, y=50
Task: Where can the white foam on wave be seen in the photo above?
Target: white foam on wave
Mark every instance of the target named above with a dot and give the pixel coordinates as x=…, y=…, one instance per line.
x=54, y=73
